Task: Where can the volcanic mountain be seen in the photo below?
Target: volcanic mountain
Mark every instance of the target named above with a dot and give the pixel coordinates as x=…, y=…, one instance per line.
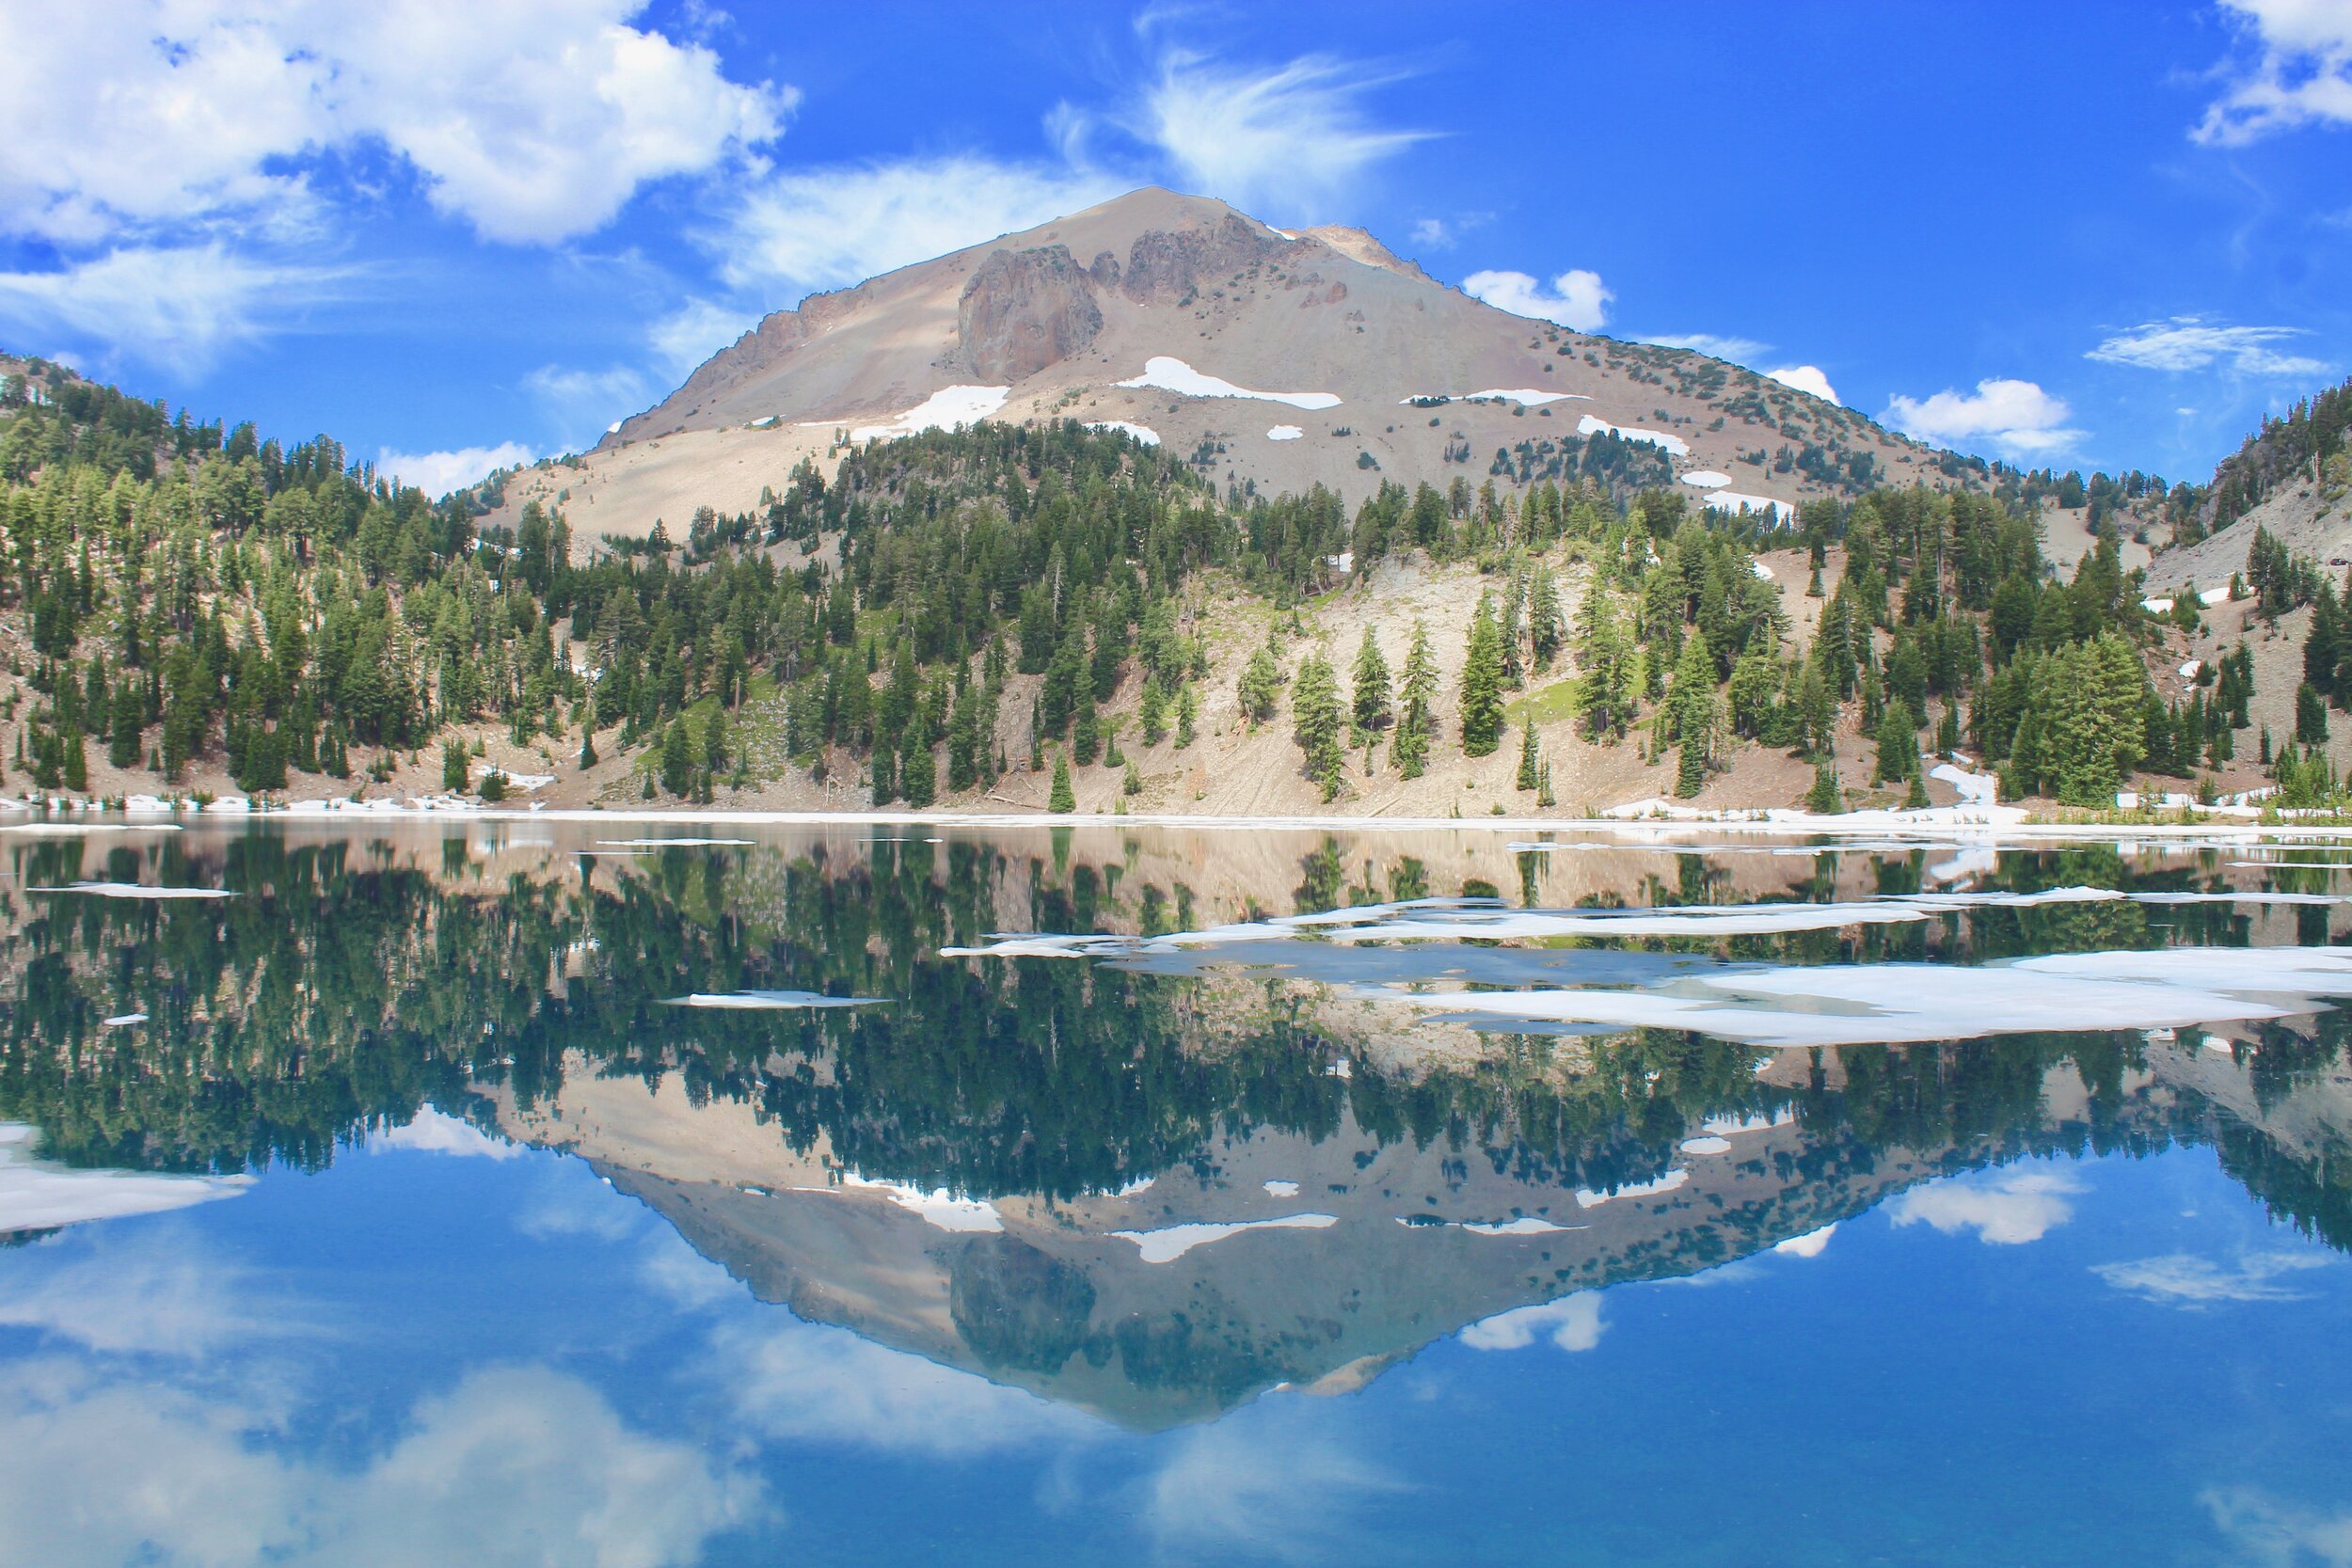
x=1269, y=357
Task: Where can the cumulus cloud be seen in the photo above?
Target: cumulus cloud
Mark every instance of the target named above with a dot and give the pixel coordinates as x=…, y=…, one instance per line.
x=181, y=307
x=2183, y=1279
x=1811, y=1245
x=2018, y=417
x=2293, y=68
x=162, y=1301
x=531, y=121
x=1805, y=378
x=822, y=228
x=517, y=1466
x=2193, y=344
x=1577, y=299
x=2007, y=1210
x=430, y=1131
x=1279, y=141
x=438, y=473
x=1572, y=1323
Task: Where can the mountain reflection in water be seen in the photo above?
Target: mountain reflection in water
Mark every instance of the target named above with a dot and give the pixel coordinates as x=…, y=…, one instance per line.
x=1148, y=1123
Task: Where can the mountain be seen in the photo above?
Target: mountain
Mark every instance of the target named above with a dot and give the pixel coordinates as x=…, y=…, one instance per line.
x=1149, y=311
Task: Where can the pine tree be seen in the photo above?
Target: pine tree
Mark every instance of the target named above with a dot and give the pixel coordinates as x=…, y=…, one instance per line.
x=1261, y=686
x=1187, y=715
x=1063, y=799
x=1417, y=693
x=1482, y=684
x=1693, y=715
x=1530, y=762
x=1604, y=690
x=1371, y=705
x=1315, y=714
x=1134, y=785
x=678, y=758
x=1153, y=716
x=918, y=772
x=587, y=745
x=1543, y=618
x=1898, y=746
x=1824, y=799
x=453, y=766
x=2311, y=716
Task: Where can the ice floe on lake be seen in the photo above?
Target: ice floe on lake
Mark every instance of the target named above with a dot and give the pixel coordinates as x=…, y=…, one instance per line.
x=36, y=1195
x=1171, y=374
x=136, y=890
x=767, y=1000
x=121, y=1020
x=1169, y=1243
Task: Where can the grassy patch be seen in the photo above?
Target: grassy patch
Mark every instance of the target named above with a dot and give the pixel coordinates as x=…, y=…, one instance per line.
x=1549, y=704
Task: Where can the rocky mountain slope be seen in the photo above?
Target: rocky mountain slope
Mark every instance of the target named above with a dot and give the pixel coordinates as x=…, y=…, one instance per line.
x=1269, y=357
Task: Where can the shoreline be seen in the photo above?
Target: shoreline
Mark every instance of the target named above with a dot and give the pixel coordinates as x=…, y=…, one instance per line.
x=1946, y=824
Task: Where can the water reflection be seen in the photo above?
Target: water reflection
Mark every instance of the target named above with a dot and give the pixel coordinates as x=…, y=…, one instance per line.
x=1164, y=1148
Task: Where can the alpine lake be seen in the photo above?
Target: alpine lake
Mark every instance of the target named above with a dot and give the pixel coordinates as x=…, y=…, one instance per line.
x=632, y=1193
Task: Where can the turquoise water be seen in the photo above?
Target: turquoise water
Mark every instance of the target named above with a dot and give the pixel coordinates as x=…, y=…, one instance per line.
x=515, y=1192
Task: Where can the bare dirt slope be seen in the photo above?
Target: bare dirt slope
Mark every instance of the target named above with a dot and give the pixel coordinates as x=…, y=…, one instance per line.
x=2308, y=520
x=1058, y=316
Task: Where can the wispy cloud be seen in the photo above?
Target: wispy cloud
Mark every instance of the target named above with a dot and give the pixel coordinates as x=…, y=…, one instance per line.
x=182, y=307
x=2194, y=343
x=582, y=403
x=2017, y=417
x=2268, y=1530
x=822, y=228
x=1280, y=141
x=1577, y=299
x=1738, y=350
x=2293, y=68
x=2007, y=1210
x=2183, y=1279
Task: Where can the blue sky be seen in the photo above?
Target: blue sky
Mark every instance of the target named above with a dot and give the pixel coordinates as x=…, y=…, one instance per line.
x=2106, y=235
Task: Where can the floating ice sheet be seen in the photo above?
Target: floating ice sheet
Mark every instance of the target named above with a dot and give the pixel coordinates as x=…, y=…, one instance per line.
x=136, y=890
x=757, y=1001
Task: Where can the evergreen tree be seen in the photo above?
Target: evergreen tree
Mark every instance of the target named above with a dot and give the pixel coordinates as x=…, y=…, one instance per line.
x=1604, y=690
x=1315, y=714
x=678, y=758
x=1187, y=715
x=918, y=773
x=2311, y=716
x=1261, y=686
x=1153, y=718
x=1693, y=701
x=1417, y=696
x=1824, y=799
x=1898, y=746
x=1544, y=617
x=453, y=766
x=1482, y=684
x=1371, y=704
x=1063, y=799
x=1528, y=762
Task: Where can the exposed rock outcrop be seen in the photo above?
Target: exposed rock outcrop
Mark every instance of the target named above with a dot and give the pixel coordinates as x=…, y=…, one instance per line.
x=1167, y=265
x=1023, y=310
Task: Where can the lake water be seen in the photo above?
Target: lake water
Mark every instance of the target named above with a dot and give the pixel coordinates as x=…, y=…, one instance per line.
x=631, y=1194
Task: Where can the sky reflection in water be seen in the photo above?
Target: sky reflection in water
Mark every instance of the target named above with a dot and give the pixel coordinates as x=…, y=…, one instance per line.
x=538, y=1268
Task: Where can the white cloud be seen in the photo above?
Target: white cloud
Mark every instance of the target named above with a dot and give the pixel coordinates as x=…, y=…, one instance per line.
x=180, y=306
x=2294, y=69
x=1577, y=299
x=532, y=122
x=2279, y=1534
x=437, y=473
x=1432, y=232
x=1572, y=1323
x=430, y=1131
x=2183, y=1279
x=1234, y=1488
x=1279, y=142
x=581, y=402
x=695, y=331
x=1811, y=1245
x=518, y=1466
x=2016, y=416
x=1805, y=378
x=160, y=1301
x=823, y=228
x=2007, y=1210
x=1738, y=350
x=802, y=1381
x=2191, y=344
